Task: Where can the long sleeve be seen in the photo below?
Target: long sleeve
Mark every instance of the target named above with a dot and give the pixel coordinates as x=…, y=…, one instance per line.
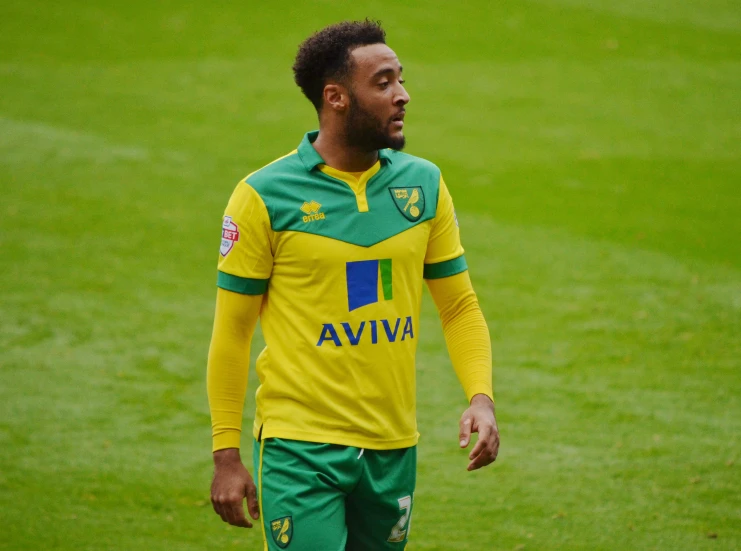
x=466, y=332
x=228, y=364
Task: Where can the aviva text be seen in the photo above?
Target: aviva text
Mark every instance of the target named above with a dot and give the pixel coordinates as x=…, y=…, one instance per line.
x=371, y=331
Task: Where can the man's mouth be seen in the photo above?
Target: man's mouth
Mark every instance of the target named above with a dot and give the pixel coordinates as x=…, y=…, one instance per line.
x=398, y=120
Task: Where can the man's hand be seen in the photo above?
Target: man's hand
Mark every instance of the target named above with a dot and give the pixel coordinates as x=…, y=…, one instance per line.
x=479, y=417
x=232, y=483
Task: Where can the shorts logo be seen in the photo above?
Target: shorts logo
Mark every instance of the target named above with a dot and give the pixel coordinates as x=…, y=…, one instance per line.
x=229, y=235
x=368, y=281
x=282, y=531
x=409, y=200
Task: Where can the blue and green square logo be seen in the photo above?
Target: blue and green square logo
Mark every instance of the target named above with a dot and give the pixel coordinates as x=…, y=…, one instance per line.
x=368, y=282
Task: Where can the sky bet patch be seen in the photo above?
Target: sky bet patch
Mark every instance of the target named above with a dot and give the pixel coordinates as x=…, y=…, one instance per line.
x=229, y=235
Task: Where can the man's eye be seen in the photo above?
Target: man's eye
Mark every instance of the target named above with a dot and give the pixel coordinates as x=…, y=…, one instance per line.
x=402, y=80
x=383, y=84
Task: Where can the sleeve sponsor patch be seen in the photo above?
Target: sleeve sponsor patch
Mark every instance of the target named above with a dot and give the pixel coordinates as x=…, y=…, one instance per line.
x=229, y=235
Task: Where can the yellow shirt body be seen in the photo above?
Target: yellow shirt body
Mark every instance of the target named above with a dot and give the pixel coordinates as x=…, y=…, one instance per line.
x=340, y=260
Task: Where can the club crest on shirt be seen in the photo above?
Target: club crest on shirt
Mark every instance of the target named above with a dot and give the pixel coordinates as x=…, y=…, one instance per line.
x=282, y=531
x=229, y=235
x=409, y=200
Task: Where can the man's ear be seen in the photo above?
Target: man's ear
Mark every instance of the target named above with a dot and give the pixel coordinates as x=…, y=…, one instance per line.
x=336, y=96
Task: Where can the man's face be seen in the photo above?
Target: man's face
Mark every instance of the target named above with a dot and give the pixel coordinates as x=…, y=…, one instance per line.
x=375, y=118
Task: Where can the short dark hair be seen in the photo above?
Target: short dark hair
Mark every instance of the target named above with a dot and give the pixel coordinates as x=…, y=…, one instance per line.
x=326, y=55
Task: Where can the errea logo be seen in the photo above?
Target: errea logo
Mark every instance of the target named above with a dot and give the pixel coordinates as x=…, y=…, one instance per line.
x=311, y=210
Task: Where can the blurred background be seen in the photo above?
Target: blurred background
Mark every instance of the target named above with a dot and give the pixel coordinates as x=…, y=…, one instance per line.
x=593, y=152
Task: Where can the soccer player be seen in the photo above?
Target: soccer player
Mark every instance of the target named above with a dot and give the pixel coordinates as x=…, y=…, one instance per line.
x=328, y=246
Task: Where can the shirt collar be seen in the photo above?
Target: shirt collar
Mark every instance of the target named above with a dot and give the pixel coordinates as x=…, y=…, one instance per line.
x=311, y=158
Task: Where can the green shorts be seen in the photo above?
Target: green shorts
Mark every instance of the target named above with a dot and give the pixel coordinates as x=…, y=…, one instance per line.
x=324, y=497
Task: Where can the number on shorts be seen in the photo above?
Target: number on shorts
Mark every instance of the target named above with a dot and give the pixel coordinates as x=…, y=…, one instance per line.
x=399, y=531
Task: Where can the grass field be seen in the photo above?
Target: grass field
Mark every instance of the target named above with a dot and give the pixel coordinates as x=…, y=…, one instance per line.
x=593, y=149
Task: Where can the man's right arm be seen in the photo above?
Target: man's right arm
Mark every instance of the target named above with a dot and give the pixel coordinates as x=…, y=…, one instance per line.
x=228, y=367
x=245, y=266
x=235, y=320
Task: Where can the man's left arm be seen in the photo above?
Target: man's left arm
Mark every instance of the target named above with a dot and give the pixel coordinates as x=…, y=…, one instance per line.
x=467, y=339
x=466, y=333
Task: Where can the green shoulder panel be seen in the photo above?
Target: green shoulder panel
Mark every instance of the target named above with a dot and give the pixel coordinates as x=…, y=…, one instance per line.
x=269, y=178
x=299, y=197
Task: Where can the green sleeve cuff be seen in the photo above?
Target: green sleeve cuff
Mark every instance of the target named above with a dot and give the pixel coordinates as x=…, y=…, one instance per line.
x=242, y=285
x=445, y=269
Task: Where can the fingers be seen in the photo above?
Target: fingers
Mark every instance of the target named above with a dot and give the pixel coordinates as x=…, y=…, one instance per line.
x=252, y=505
x=228, y=504
x=231, y=511
x=231, y=484
x=481, y=443
x=464, y=433
x=235, y=515
x=487, y=448
x=219, y=508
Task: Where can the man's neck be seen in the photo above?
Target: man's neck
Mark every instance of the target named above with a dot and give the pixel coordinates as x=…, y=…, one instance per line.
x=337, y=154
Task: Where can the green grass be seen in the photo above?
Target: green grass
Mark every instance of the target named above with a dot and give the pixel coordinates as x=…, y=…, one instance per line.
x=592, y=149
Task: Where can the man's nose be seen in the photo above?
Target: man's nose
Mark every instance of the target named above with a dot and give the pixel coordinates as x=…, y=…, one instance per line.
x=402, y=98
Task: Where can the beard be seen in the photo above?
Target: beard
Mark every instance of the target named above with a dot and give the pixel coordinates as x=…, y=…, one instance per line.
x=368, y=132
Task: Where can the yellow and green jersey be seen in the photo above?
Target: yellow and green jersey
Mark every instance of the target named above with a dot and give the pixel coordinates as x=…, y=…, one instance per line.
x=341, y=260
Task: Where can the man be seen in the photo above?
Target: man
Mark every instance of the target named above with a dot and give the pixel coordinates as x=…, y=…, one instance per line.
x=329, y=246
